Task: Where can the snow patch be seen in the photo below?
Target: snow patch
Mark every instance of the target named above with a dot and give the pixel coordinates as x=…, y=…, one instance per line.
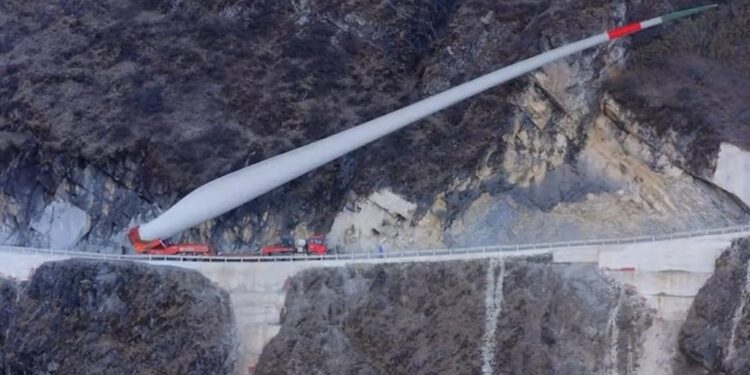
x=733, y=171
x=493, y=304
x=614, y=334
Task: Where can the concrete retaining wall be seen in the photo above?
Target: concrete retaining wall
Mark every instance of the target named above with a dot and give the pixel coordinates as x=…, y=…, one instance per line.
x=668, y=274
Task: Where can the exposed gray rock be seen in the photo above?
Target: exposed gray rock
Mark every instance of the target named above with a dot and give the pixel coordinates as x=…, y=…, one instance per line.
x=29, y=194
x=715, y=338
x=83, y=317
x=8, y=292
x=688, y=86
x=435, y=317
x=61, y=225
x=128, y=105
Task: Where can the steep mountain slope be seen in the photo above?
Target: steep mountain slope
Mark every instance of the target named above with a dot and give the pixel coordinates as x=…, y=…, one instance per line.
x=117, y=108
x=715, y=336
x=76, y=317
x=7, y=301
x=497, y=317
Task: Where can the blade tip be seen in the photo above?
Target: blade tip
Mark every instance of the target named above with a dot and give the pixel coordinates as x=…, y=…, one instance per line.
x=689, y=12
x=704, y=8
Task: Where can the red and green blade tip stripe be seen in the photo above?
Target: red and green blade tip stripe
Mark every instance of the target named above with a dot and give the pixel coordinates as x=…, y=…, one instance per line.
x=638, y=26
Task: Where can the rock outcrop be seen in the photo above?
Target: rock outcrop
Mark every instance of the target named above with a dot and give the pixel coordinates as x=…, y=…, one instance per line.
x=387, y=219
x=687, y=87
x=7, y=307
x=62, y=225
x=77, y=317
x=715, y=338
x=498, y=316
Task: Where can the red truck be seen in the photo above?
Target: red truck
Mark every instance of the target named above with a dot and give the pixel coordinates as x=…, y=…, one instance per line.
x=314, y=245
x=160, y=247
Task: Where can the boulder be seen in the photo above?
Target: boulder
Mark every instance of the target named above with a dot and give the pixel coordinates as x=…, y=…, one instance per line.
x=62, y=225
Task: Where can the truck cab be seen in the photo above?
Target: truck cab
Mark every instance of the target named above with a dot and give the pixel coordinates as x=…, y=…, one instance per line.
x=316, y=245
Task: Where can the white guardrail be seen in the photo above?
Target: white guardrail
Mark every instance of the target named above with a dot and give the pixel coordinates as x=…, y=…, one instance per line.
x=385, y=254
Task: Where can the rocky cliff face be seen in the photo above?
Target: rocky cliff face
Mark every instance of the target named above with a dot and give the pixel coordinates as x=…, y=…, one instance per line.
x=76, y=317
x=688, y=86
x=7, y=308
x=498, y=316
x=117, y=108
x=715, y=337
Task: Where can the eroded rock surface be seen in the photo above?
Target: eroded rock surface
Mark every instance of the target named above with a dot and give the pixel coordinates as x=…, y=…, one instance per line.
x=120, y=107
x=8, y=292
x=509, y=316
x=61, y=225
x=687, y=86
x=83, y=317
x=716, y=335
